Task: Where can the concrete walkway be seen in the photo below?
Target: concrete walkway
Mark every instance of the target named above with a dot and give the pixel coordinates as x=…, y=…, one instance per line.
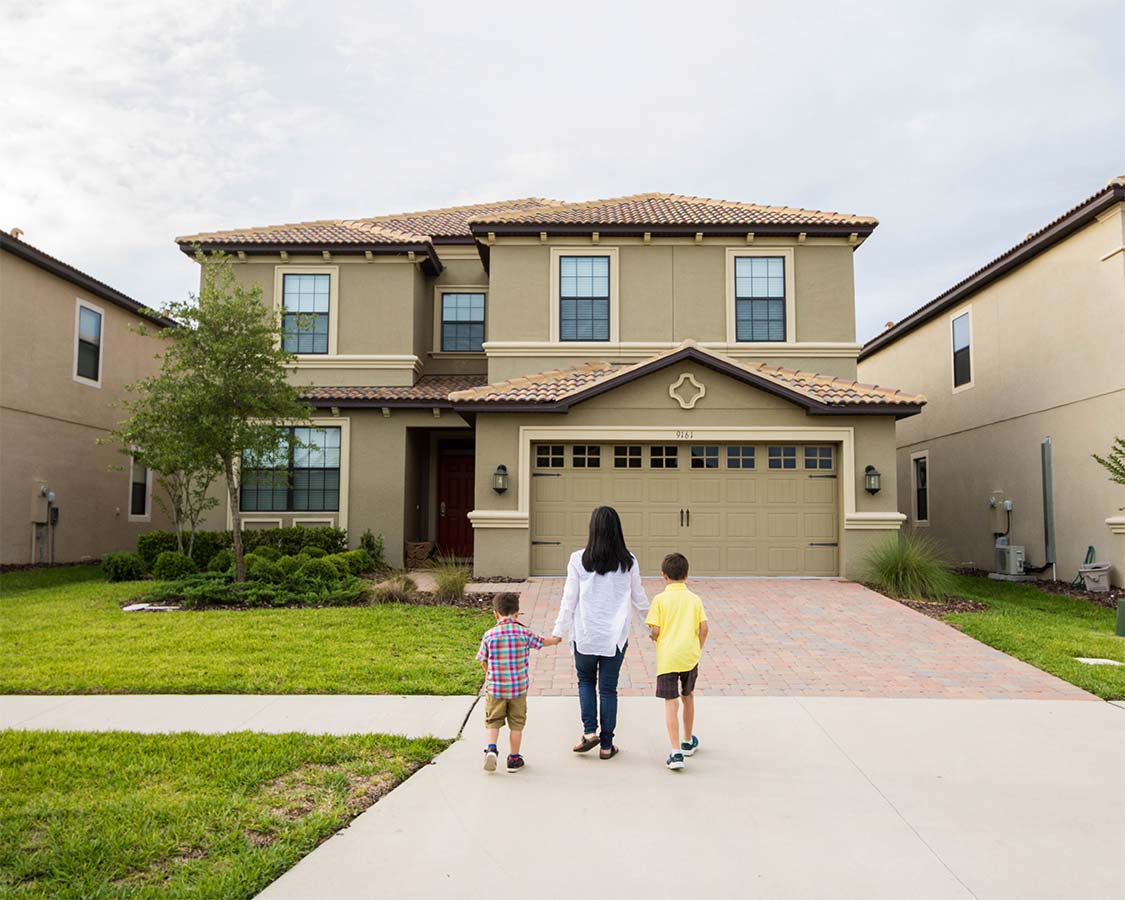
x=334, y=714
x=789, y=797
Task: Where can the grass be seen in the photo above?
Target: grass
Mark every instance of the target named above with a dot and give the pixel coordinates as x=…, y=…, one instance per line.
x=1046, y=630
x=117, y=814
x=62, y=631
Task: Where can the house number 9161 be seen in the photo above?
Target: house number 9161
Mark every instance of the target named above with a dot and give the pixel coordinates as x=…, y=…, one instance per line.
x=685, y=435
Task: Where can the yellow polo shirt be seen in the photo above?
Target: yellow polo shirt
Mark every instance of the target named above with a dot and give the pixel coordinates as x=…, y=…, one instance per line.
x=677, y=612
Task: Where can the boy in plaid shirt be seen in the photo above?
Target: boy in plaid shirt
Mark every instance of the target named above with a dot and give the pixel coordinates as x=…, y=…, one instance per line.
x=504, y=650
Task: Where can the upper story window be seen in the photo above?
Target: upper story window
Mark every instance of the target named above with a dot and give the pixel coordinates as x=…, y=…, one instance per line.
x=302, y=474
x=759, y=298
x=88, y=344
x=306, y=302
x=962, y=350
x=584, y=298
x=462, y=322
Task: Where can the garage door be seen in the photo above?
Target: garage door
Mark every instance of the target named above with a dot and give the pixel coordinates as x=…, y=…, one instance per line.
x=732, y=509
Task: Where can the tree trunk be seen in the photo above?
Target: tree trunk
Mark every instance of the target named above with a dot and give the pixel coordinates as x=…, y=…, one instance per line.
x=236, y=522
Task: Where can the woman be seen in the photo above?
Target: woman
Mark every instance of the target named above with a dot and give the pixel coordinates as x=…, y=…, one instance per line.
x=601, y=581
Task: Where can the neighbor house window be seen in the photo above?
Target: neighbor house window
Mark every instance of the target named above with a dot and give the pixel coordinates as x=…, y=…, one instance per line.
x=627, y=456
x=462, y=323
x=962, y=350
x=921, y=476
x=759, y=298
x=584, y=298
x=306, y=302
x=139, y=495
x=782, y=457
x=88, y=344
x=301, y=474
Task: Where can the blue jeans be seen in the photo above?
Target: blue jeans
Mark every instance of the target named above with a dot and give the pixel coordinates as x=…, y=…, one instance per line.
x=597, y=677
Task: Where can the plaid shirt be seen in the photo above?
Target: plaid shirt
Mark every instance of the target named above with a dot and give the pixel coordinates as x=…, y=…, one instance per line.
x=505, y=648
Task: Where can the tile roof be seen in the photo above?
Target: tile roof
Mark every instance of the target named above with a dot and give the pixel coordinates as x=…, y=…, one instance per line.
x=669, y=209
x=429, y=389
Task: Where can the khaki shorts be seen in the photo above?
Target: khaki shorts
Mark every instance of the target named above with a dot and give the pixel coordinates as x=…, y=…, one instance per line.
x=497, y=710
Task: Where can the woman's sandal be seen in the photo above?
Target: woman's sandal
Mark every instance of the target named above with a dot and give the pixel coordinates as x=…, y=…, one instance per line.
x=608, y=754
x=586, y=744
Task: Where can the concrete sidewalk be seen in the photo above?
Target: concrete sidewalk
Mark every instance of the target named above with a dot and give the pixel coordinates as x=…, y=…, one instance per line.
x=214, y=713
x=788, y=798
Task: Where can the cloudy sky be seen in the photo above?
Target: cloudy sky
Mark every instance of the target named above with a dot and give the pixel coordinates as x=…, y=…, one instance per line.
x=961, y=126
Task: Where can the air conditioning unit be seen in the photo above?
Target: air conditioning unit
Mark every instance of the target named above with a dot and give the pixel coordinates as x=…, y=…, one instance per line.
x=1009, y=559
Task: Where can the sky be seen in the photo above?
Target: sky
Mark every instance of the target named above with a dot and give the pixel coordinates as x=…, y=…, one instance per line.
x=960, y=126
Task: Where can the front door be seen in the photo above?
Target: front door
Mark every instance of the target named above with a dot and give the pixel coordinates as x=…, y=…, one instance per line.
x=456, y=475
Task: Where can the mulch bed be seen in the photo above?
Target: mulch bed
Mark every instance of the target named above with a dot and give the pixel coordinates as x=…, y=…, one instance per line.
x=1108, y=599
x=939, y=609
x=428, y=598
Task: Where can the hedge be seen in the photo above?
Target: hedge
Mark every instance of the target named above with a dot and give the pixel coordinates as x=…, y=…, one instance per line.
x=287, y=541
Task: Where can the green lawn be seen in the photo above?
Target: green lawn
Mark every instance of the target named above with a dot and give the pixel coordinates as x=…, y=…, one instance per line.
x=1046, y=630
x=118, y=814
x=62, y=632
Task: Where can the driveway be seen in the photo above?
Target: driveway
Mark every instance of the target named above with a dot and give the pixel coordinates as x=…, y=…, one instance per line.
x=807, y=638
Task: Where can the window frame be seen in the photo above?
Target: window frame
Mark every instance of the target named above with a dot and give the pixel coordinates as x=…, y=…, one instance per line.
x=341, y=481
x=924, y=456
x=439, y=291
x=614, y=294
x=333, y=273
x=787, y=255
x=79, y=305
x=957, y=388
x=704, y=457
x=146, y=516
x=591, y=453
x=625, y=460
x=738, y=452
x=554, y=453
x=782, y=457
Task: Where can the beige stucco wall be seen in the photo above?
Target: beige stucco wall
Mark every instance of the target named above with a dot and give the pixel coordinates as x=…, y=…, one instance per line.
x=1048, y=358
x=50, y=423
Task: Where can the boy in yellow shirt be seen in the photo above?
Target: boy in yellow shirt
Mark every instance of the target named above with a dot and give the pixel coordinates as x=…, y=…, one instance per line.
x=678, y=624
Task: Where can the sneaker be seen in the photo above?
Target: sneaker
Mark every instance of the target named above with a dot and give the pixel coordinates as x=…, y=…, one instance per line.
x=515, y=763
x=688, y=748
x=675, y=760
x=489, y=760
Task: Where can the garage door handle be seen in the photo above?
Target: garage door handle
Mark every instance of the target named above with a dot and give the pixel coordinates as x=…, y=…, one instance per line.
x=822, y=476
x=548, y=543
x=689, y=518
x=825, y=545
x=681, y=518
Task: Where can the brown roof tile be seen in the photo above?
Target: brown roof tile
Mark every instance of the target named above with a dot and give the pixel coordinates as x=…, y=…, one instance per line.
x=428, y=389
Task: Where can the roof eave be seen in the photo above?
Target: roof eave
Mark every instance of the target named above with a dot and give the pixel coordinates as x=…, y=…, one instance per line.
x=364, y=403
x=431, y=265
x=521, y=229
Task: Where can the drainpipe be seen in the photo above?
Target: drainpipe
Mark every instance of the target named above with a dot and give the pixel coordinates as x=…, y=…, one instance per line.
x=1048, y=504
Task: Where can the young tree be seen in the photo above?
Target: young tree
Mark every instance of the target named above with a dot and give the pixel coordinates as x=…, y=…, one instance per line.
x=1114, y=462
x=226, y=368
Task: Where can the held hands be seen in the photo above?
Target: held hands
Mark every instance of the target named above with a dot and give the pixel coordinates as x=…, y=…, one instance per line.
x=551, y=641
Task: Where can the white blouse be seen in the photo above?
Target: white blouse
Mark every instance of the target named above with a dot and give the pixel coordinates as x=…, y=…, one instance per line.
x=595, y=608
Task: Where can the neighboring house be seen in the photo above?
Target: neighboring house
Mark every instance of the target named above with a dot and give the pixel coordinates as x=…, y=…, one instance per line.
x=484, y=376
x=66, y=353
x=1030, y=347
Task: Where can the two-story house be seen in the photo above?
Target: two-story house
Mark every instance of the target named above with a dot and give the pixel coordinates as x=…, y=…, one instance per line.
x=1023, y=363
x=68, y=348
x=485, y=375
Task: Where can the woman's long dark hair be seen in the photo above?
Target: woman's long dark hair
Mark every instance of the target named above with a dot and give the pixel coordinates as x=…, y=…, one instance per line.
x=605, y=550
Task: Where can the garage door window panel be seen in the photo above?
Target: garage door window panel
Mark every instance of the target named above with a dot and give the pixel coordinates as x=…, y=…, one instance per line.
x=549, y=456
x=704, y=457
x=586, y=456
x=740, y=457
x=663, y=456
x=819, y=458
x=627, y=456
x=782, y=457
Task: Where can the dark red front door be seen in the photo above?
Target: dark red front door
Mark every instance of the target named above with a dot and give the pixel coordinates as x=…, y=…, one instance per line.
x=456, y=472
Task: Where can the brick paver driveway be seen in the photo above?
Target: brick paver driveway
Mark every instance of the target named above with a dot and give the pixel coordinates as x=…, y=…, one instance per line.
x=817, y=638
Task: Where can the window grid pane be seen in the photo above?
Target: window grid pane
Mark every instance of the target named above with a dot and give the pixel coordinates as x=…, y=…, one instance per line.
x=921, y=490
x=462, y=323
x=818, y=457
x=759, y=305
x=549, y=456
x=663, y=457
x=299, y=476
x=740, y=457
x=587, y=456
x=89, y=343
x=782, y=457
x=304, y=327
x=704, y=457
x=584, y=298
x=627, y=456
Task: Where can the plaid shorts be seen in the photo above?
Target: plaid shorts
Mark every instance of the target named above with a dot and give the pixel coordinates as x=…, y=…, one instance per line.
x=671, y=685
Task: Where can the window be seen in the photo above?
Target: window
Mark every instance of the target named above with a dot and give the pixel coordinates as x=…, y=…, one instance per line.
x=305, y=299
x=549, y=456
x=139, y=493
x=921, y=472
x=88, y=344
x=584, y=298
x=818, y=457
x=962, y=351
x=302, y=474
x=587, y=456
x=740, y=457
x=661, y=457
x=704, y=457
x=627, y=456
x=759, y=298
x=462, y=322
x=782, y=457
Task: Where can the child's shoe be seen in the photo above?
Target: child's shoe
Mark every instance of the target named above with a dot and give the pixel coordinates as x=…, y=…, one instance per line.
x=515, y=762
x=675, y=760
x=490, y=759
x=688, y=748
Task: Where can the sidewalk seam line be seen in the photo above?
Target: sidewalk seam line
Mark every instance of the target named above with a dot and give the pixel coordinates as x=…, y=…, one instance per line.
x=465, y=721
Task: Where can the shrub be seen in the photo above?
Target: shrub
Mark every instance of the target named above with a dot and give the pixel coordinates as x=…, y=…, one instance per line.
x=171, y=565
x=288, y=565
x=373, y=546
x=259, y=568
x=267, y=552
x=451, y=577
x=204, y=546
x=313, y=552
x=319, y=570
x=291, y=541
x=359, y=562
x=221, y=561
x=152, y=543
x=909, y=566
x=343, y=567
x=123, y=567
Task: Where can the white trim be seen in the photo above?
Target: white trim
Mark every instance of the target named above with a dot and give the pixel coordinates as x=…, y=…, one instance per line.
x=279, y=273
x=700, y=390
x=1113, y=253
x=953, y=317
x=357, y=361
x=1116, y=524
x=614, y=294
x=276, y=523
x=914, y=457
x=645, y=349
x=790, y=290
x=79, y=303
x=456, y=289
x=498, y=518
x=327, y=523
x=874, y=521
x=147, y=515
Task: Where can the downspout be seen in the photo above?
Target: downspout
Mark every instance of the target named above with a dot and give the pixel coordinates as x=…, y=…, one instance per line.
x=1048, y=504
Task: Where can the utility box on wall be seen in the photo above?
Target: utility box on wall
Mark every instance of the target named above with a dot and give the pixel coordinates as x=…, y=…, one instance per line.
x=39, y=503
x=997, y=514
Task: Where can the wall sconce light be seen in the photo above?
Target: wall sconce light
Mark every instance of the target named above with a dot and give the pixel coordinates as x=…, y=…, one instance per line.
x=872, y=480
x=500, y=479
